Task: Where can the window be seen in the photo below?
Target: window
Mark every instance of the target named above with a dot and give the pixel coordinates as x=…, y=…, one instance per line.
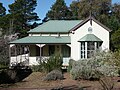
x=88, y=49
x=82, y=49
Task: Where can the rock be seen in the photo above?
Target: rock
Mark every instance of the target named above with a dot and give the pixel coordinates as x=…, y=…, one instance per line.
x=54, y=75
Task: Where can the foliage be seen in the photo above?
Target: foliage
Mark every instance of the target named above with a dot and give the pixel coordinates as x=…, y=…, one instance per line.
x=82, y=70
x=4, y=24
x=2, y=14
x=54, y=62
x=4, y=55
x=59, y=11
x=71, y=61
x=54, y=75
x=2, y=10
x=102, y=64
x=14, y=75
x=115, y=38
x=37, y=68
x=22, y=12
x=116, y=10
x=116, y=59
x=82, y=8
x=74, y=9
x=113, y=23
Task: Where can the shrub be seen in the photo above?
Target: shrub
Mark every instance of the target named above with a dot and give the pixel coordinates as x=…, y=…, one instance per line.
x=94, y=68
x=71, y=61
x=82, y=70
x=18, y=73
x=37, y=68
x=116, y=60
x=54, y=75
x=46, y=65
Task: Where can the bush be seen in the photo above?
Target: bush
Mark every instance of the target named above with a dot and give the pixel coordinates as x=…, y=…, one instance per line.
x=116, y=61
x=37, y=68
x=71, y=61
x=3, y=66
x=82, y=70
x=52, y=63
x=14, y=75
x=54, y=75
x=98, y=66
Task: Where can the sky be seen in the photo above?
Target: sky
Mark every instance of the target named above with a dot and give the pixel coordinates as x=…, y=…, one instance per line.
x=43, y=5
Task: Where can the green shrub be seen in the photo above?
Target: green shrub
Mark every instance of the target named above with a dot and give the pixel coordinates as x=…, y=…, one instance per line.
x=71, y=61
x=93, y=68
x=36, y=68
x=47, y=65
x=82, y=70
x=2, y=66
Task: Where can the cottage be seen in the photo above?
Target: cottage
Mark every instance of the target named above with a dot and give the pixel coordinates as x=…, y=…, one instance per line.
x=74, y=39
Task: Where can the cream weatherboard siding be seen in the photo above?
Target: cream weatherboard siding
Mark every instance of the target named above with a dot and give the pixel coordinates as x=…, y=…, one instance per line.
x=97, y=30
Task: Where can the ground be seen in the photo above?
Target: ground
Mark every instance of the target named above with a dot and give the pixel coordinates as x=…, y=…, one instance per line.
x=35, y=81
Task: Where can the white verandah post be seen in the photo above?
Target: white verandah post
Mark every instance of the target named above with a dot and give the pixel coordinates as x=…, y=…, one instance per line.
x=85, y=50
x=80, y=50
x=95, y=46
x=40, y=46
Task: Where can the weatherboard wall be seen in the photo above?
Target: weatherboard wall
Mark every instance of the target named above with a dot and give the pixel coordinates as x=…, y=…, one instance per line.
x=97, y=30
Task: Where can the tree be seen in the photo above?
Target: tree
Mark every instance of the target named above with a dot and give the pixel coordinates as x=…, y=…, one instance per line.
x=59, y=11
x=22, y=12
x=74, y=9
x=116, y=39
x=2, y=10
x=95, y=7
x=4, y=55
x=2, y=14
x=116, y=10
x=113, y=23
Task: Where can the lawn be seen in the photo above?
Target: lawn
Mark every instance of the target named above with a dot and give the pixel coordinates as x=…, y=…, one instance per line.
x=35, y=80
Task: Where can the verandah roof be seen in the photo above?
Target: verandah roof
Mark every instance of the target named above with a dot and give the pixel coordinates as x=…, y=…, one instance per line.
x=43, y=40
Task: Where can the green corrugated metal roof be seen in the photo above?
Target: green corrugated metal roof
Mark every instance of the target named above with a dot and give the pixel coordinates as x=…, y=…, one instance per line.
x=90, y=37
x=54, y=26
x=42, y=40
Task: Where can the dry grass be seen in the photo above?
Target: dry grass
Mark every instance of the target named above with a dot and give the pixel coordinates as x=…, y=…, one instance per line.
x=35, y=80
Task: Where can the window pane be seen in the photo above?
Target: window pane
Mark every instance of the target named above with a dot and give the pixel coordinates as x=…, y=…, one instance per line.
x=90, y=46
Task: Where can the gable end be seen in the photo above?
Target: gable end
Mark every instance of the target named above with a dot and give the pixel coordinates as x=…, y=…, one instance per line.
x=86, y=20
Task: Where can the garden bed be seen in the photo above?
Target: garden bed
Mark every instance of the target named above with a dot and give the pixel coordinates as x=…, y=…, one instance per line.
x=35, y=80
